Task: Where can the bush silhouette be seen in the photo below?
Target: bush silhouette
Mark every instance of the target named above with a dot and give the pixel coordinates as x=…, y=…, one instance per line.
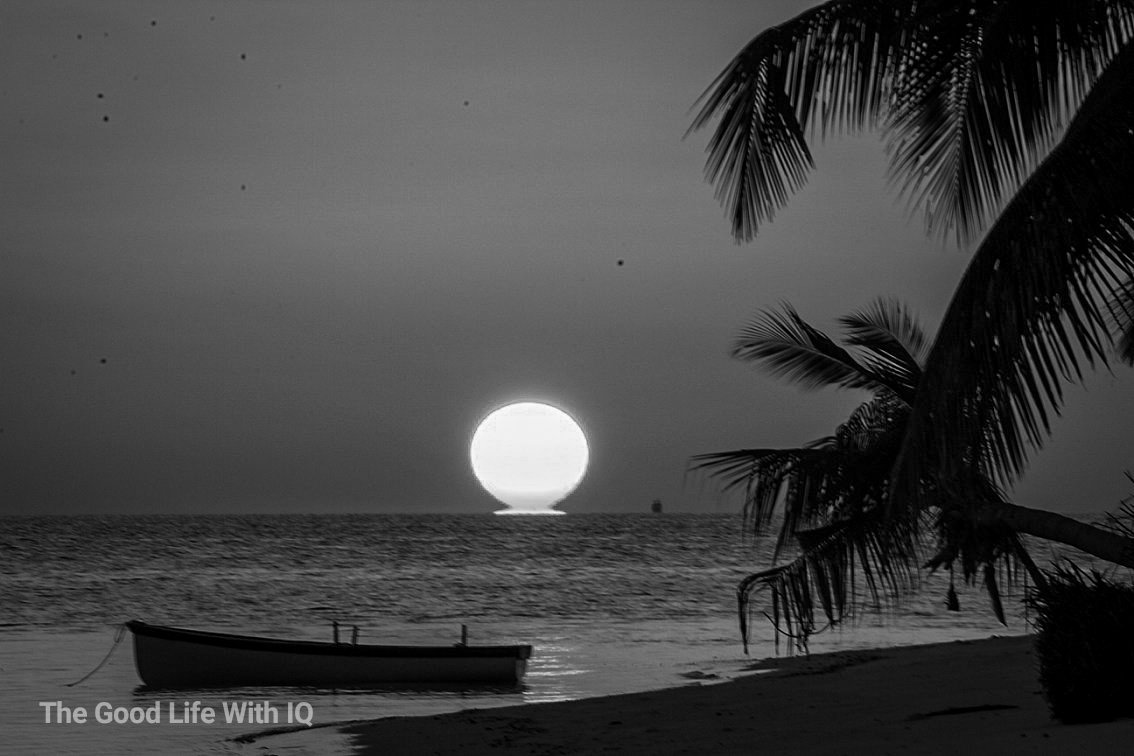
x=1083, y=623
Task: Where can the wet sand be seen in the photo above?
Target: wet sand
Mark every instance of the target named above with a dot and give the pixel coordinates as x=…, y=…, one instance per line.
x=966, y=697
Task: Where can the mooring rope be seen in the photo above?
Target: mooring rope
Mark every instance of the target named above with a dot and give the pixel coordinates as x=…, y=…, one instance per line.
x=118, y=635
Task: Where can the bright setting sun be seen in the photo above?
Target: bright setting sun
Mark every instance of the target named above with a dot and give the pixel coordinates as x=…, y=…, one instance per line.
x=530, y=456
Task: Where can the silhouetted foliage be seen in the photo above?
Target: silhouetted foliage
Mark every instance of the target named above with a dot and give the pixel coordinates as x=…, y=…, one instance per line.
x=1083, y=623
x=1014, y=113
x=1009, y=117
x=831, y=495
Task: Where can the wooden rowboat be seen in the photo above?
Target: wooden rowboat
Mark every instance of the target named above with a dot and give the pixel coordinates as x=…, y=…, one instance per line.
x=169, y=657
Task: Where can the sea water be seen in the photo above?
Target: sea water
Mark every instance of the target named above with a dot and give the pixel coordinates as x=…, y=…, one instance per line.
x=611, y=603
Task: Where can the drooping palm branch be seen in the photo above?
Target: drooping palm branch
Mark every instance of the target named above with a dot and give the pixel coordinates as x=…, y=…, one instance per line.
x=835, y=59
x=1122, y=314
x=969, y=94
x=825, y=576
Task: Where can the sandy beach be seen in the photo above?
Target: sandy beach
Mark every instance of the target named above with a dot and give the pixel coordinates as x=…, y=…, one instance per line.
x=962, y=697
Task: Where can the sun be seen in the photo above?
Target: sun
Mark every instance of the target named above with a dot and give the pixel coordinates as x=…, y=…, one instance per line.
x=530, y=456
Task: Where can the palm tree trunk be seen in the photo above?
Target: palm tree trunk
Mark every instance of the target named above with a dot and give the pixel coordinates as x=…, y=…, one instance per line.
x=1104, y=544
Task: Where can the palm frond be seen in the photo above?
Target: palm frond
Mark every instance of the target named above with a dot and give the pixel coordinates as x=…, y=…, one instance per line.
x=884, y=321
x=833, y=479
x=791, y=348
x=874, y=425
x=1122, y=315
x=971, y=95
x=830, y=64
x=983, y=92
x=893, y=339
x=771, y=477
x=885, y=552
x=1030, y=307
x=942, y=129
x=825, y=576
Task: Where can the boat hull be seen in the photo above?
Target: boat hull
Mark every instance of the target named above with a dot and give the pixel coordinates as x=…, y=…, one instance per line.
x=167, y=657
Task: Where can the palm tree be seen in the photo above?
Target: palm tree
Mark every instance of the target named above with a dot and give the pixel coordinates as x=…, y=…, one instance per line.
x=833, y=491
x=1018, y=109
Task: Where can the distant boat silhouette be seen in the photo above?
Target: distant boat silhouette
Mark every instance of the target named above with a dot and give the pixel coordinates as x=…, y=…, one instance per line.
x=656, y=507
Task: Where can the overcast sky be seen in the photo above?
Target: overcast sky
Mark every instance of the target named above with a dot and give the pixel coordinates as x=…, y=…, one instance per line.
x=315, y=242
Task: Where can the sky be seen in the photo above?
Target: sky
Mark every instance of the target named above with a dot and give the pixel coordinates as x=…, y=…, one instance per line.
x=284, y=256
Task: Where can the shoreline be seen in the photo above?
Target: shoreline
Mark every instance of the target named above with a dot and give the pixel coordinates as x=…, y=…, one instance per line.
x=940, y=698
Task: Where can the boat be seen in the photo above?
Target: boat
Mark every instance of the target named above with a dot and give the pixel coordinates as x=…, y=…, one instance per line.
x=170, y=657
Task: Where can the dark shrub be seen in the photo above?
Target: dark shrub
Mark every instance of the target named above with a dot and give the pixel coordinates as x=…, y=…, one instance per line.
x=1085, y=645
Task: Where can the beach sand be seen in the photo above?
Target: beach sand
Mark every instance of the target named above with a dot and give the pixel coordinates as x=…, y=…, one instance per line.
x=971, y=697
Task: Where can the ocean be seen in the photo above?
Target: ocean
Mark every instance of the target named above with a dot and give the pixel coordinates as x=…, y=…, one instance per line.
x=612, y=603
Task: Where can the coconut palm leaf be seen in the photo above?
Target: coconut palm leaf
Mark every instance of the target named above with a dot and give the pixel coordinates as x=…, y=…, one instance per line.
x=884, y=321
x=786, y=345
x=1122, y=314
x=771, y=477
x=970, y=95
x=833, y=479
x=833, y=62
x=1032, y=305
x=874, y=423
x=884, y=552
x=894, y=340
x=825, y=575
x=982, y=93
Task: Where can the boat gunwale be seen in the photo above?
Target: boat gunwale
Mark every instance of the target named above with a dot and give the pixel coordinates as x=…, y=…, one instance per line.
x=322, y=648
